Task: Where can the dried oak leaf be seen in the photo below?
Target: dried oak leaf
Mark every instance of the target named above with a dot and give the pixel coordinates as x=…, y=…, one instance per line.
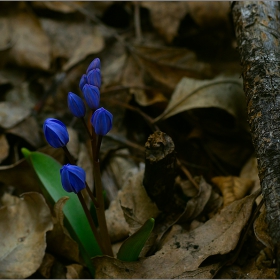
x=24, y=222
x=185, y=252
x=233, y=188
x=59, y=240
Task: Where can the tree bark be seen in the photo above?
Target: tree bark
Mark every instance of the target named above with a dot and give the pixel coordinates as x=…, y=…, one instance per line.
x=257, y=27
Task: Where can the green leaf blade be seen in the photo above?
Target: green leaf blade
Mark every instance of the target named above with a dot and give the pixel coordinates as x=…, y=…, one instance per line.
x=133, y=245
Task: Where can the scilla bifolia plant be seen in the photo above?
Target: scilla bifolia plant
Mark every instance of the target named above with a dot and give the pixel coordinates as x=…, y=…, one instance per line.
x=73, y=178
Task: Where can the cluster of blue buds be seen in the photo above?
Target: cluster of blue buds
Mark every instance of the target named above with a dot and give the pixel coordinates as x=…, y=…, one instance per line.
x=73, y=177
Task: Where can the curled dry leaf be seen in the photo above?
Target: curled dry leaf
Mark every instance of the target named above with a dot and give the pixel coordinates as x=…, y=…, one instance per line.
x=133, y=77
x=222, y=92
x=261, y=230
x=197, y=203
x=24, y=223
x=233, y=188
x=169, y=65
x=132, y=196
x=31, y=45
x=59, y=241
x=166, y=17
x=12, y=114
x=4, y=147
x=185, y=252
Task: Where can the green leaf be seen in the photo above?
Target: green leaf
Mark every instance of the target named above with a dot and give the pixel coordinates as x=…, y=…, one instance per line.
x=133, y=245
x=48, y=171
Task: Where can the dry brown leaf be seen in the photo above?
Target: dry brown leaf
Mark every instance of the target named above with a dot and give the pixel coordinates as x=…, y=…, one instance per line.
x=248, y=271
x=57, y=6
x=233, y=188
x=166, y=17
x=133, y=196
x=75, y=271
x=169, y=65
x=133, y=78
x=28, y=130
x=209, y=14
x=250, y=171
x=186, y=251
x=12, y=114
x=197, y=203
x=24, y=223
x=89, y=44
x=222, y=92
x=66, y=37
x=261, y=230
x=4, y=147
x=113, y=71
x=59, y=241
x=31, y=45
x=110, y=268
x=46, y=266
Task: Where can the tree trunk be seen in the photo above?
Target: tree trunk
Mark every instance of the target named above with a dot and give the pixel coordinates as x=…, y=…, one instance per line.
x=257, y=27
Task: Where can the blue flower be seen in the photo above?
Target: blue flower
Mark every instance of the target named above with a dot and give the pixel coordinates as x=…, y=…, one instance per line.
x=73, y=178
x=55, y=132
x=83, y=81
x=76, y=105
x=94, y=64
x=92, y=96
x=102, y=121
x=94, y=77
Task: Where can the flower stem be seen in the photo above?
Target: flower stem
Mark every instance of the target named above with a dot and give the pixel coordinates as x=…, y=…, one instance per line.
x=91, y=223
x=100, y=212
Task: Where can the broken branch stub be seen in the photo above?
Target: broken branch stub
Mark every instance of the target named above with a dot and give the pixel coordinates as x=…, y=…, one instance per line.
x=160, y=170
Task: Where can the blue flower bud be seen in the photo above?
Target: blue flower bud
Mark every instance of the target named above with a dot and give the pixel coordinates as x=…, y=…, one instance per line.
x=83, y=81
x=73, y=178
x=94, y=64
x=76, y=105
x=102, y=121
x=55, y=132
x=94, y=77
x=92, y=96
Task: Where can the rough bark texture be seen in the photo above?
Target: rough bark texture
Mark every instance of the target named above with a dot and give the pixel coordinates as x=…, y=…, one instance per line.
x=160, y=170
x=257, y=27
